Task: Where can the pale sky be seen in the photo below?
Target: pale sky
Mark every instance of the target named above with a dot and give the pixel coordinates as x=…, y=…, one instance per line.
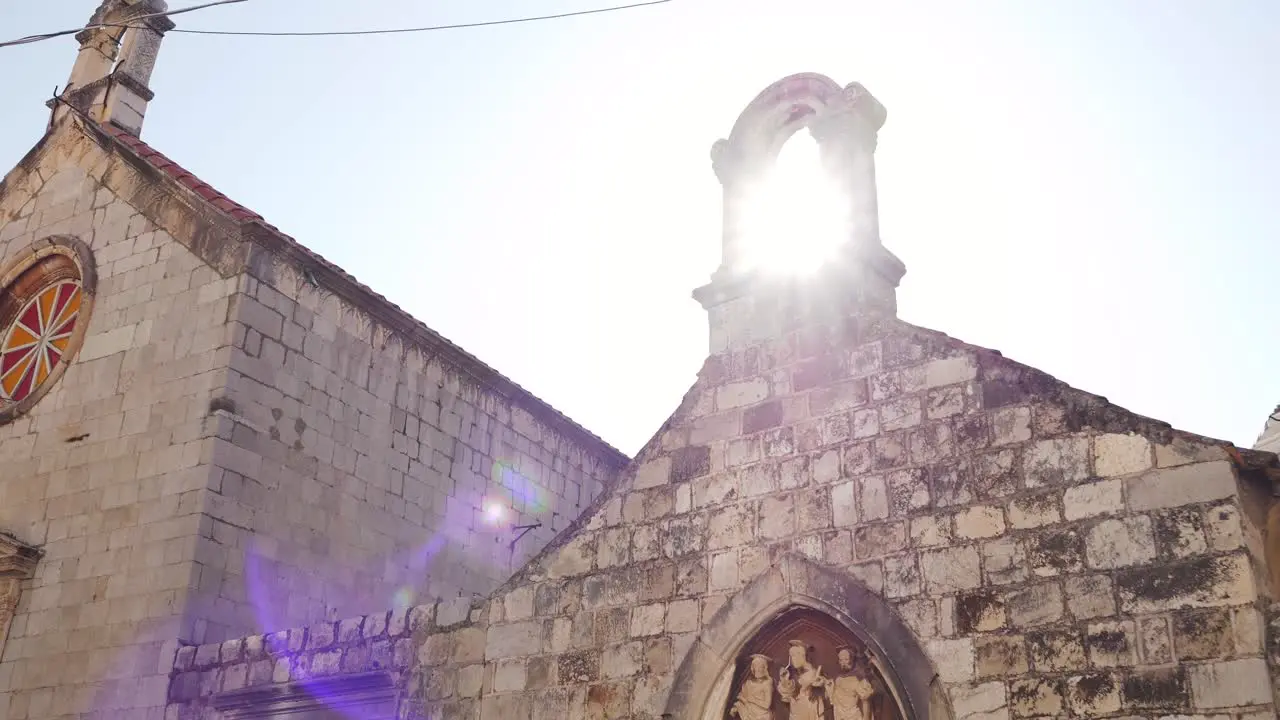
x=1087, y=186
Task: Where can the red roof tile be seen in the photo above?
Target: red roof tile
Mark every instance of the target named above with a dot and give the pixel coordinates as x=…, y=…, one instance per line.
x=158, y=160
x=239, y=212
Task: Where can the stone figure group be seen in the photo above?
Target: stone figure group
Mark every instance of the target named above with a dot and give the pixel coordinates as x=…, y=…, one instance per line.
x=804, y=691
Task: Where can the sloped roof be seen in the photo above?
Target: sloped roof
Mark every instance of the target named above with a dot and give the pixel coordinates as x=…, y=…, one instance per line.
x=160, y=161
x=418, y=331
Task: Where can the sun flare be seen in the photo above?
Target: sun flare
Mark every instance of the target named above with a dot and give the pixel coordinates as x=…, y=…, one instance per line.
x=795, y=217
x=494, y=511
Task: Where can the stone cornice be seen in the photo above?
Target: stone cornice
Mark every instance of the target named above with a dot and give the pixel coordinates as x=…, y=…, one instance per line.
x=17, y=559
x=727, y=285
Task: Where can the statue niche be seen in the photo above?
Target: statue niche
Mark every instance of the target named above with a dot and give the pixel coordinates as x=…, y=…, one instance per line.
x=805, y=666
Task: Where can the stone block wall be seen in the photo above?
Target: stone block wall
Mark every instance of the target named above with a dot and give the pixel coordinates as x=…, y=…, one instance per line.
x=1047, y=563
x=355, y=465
x=1050, y=554
x=259, y=670
x=105, y=473
x=354, y=462
x=232, y=450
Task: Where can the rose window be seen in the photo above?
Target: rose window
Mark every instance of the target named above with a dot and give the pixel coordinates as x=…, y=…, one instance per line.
x=42, y=314
x=38, y=338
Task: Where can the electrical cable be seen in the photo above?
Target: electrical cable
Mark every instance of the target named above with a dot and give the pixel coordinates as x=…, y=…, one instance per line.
x=49, y=36
x=458, y=26
x=333, y=33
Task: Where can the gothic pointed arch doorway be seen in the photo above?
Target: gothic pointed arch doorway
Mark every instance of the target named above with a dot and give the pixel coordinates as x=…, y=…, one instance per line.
x=804, y=665
x=825, y=609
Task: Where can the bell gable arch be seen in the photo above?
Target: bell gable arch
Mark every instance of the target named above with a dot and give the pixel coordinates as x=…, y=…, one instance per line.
x=702, y=683
x=845, y=122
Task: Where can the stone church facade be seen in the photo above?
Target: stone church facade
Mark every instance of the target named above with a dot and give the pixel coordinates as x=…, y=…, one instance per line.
x=235, y=483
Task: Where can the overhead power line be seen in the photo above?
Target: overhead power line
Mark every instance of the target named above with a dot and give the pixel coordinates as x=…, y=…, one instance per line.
x=48, y=36
x=334, y=33
x=458, y=26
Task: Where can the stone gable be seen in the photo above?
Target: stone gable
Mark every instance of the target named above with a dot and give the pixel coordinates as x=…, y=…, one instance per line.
x=1022, y=529
x=237, y=447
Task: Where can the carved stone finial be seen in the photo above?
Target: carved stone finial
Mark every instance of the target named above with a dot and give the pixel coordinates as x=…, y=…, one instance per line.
x=137, y=8
x=104, y=11
x=857, y=95
x=854, y=115
x=723, y=160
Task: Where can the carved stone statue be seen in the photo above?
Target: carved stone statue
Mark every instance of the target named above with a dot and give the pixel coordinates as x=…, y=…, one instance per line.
x=851, y=691
x=755, y=699
x=802, y=686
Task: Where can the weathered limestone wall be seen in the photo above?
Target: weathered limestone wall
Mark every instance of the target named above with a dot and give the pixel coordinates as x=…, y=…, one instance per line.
x=106, y=472
x=229, y=453
x=1052, y=555
x=1048, y=561
x=226, y=675
x=355, y=464
x=311, y=668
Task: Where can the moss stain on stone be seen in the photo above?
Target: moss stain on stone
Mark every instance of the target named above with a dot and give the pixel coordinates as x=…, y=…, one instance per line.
x=1156, y=688
x=1091, y=687
x=1058, y=550
x=971, y=609
x=1110, y=641
x=690, y=462
x=1171, y=581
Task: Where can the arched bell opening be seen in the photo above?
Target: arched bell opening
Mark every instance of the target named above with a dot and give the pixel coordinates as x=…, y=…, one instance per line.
x=778, y=187
x=794, y=214
x=798, y=178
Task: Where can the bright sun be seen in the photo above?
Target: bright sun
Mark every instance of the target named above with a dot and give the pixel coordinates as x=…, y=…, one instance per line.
x=797, y=216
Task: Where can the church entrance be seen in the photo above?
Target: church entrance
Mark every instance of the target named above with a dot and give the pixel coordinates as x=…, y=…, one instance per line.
x=804, y=665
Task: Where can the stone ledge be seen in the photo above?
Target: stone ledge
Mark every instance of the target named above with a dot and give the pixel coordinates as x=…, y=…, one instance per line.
x=17, y=559
x=361, y=691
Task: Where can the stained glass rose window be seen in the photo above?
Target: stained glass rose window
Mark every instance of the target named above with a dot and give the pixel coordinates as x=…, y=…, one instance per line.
x=42, y=308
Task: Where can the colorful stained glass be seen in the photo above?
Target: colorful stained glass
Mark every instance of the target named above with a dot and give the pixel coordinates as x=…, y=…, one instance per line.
x=37, y=339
